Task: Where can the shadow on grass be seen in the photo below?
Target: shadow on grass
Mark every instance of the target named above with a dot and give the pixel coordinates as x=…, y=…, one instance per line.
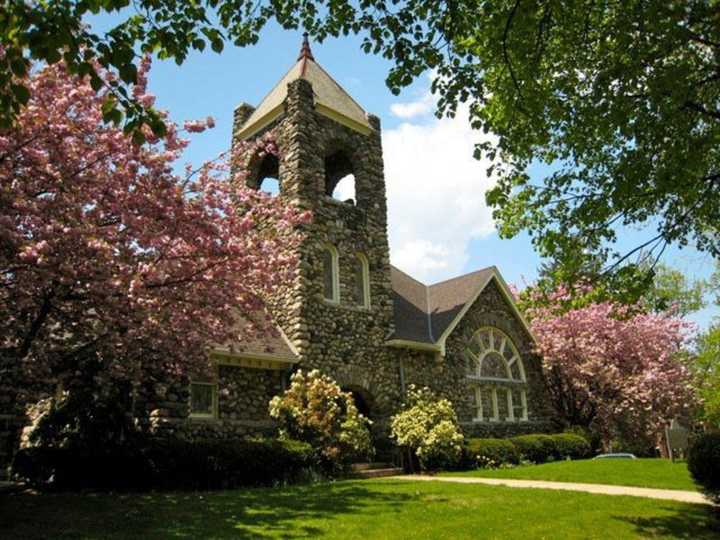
x=299, y=511
x=694, y=522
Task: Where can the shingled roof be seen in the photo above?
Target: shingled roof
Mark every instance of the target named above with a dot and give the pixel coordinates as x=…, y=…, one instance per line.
x=423, y=313
x=258, y=337
x=330, y=98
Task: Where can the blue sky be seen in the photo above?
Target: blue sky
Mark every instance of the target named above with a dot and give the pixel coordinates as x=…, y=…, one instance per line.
x=438, y=224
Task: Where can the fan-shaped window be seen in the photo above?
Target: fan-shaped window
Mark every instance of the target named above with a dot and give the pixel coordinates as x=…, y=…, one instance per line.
x=361, y=280
x=339, y=177
x=496, y=373
x=331, y=281
x=267, y=175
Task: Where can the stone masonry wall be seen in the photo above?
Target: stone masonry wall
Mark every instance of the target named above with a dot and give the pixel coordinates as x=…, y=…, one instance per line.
x=447, y=376
x=343, y=340
x=243, y=397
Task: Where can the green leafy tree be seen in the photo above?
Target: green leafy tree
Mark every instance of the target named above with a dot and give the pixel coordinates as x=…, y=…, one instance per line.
x=660, y=289
x=706, y=366
x=621, y=100
x=671, y=290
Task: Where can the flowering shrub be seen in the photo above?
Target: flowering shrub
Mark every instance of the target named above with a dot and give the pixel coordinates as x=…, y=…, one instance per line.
x=428, y=427
x=314, y=409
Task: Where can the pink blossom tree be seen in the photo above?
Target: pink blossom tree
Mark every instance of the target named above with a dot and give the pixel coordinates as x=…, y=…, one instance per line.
x=109, y=257
x=613, y=368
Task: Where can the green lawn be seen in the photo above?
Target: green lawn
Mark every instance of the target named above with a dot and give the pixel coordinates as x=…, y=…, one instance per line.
x=652, y=473
x=345, y=510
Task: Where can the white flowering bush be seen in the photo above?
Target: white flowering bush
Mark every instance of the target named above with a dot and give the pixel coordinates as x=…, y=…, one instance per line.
x=428, y=427
x=315, y=410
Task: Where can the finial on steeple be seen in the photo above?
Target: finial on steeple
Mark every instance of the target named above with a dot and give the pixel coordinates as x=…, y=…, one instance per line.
x=305, y=51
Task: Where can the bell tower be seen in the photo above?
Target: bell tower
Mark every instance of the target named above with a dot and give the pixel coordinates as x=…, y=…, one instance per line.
x=338, y=312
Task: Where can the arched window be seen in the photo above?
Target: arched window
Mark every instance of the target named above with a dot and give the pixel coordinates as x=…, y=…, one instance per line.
x=496, y=373
x=340, y=177
x=267, y=175
x=331, y=280
x=361, y=280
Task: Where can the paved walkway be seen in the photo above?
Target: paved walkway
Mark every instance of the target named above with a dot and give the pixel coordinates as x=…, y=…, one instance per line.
x=602, y=489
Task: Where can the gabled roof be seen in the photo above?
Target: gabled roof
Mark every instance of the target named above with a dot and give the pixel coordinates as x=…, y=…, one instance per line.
x=259, y=339
x=330, y=98
x=426, y=315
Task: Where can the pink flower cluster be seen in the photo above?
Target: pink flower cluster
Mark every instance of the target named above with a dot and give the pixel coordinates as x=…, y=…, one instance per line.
x=614, y=367
x=106, y=251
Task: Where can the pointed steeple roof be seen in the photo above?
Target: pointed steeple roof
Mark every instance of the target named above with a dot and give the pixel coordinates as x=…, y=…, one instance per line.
x=330, y=98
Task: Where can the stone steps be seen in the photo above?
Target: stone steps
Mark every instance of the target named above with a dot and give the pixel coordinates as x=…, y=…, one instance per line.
x=374, y=470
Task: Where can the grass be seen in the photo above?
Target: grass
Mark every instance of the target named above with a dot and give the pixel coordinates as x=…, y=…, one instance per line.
x=354, y=510
x=651, y=473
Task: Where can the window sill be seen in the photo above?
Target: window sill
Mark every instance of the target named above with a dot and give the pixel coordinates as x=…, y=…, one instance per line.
x=338, y=202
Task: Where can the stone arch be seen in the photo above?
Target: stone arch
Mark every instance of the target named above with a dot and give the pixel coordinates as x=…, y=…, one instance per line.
x=264, y=173
x=340, y=172
x=357, y=381
x=363, y=398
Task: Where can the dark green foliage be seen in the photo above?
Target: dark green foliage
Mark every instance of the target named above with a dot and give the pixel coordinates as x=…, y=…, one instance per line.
x=491, y=452
x=593, y=438
x=166, y=464
x=704, y=464
x=570, y=445
x=536, y=448
x=627, y=126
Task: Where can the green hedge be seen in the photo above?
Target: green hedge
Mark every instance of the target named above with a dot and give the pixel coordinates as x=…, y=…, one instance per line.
x=537, y=448
x=167, y=464
x=704, y=464
x=492, y=452
x=571, y=446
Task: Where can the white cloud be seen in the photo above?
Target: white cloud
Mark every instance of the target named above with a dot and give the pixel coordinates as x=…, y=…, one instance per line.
x=436, y=191
x=412, y=109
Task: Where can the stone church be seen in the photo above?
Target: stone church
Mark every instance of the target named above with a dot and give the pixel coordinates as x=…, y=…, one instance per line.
x=349, y=312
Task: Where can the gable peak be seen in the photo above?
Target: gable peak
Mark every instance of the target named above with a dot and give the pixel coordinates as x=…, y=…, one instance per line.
x=330, y=99
x=305, y=51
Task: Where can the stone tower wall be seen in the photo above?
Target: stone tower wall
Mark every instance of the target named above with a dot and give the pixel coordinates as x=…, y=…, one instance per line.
x=342, y=340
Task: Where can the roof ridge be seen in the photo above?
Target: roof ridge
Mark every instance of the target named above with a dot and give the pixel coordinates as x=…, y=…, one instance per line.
x=461, y=276
x=268, y=94
x=408, y=275
x=429, y=315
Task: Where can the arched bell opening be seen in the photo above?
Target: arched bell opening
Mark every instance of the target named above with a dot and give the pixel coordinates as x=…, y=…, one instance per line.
x=340, y=177
x=265, y=175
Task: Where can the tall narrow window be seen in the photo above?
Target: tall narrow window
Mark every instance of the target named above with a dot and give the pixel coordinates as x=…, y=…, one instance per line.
x=331, y=282
x=203, y=400
x=361, y=281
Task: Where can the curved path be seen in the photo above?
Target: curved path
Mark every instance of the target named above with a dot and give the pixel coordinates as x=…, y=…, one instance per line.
x=600, y=489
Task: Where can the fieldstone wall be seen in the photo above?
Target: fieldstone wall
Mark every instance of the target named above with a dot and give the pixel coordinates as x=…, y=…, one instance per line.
x=243, y=397
x=492, y=309
x=447, y=375
x=343, y=340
